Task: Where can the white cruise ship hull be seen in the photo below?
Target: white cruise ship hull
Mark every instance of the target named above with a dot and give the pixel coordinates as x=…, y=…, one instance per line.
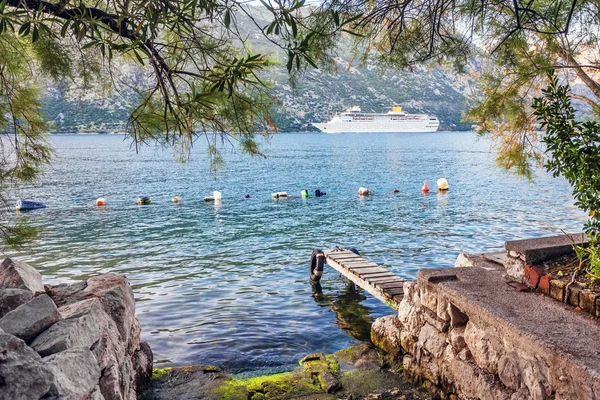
x=374, y=127
x=392, y=122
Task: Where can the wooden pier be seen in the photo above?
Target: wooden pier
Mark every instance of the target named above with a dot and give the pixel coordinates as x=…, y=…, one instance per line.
x=379, y=282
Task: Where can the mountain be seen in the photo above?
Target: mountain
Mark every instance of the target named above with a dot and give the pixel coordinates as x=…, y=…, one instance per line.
x=315, y=98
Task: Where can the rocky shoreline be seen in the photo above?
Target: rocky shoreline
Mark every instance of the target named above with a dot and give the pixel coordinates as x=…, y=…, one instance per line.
x=69, y=341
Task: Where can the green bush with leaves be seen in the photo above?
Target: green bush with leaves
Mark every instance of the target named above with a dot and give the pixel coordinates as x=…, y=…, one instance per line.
x=573, y=151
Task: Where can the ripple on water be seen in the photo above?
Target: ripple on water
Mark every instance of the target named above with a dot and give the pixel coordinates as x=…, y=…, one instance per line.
x=227, y=284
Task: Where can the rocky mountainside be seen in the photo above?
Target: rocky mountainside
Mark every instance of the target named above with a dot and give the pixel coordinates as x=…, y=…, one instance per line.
x=316, y=98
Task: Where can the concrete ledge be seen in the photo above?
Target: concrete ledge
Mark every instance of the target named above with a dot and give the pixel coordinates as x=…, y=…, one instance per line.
x=475, y=336
x=541, y=249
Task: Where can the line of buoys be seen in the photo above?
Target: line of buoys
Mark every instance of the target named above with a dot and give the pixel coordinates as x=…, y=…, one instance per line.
x=144, y=200
x=24, y=205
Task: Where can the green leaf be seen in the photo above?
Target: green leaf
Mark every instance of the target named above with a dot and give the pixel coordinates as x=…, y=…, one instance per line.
x=35, y=35
x=2, y=5
x=290, y=62
x=227, y=19
x=336, y=17
x=25, y=28
x=63, y=31
x=294, y=27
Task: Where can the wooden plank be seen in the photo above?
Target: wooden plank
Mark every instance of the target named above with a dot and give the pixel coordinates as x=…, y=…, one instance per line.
x=394, y=292
x=360, y=266
x=367, y=271
x=357, y=263
x=389, y=285
x=386, y=275
x=340, y=254
x=376, y=279
x=398, y=297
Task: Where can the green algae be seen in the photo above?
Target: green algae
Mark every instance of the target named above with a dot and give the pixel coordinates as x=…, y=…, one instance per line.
x=158, y=373
x=285, y=385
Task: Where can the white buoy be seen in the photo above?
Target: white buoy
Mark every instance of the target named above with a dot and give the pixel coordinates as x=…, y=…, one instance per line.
x=442, y=184
x=217, y=195
x=176, y=199
x=364, y=191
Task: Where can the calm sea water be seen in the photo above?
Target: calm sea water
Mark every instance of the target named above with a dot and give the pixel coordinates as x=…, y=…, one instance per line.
x=228, y=284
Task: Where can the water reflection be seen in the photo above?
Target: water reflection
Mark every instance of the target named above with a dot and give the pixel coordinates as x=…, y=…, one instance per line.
x=353, y=317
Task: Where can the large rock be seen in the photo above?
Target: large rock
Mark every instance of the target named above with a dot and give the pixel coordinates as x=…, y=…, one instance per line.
x=385, y=334
x=30, y=319
x=22, y=374
x=80, y=330
x=116, y=297
x=10, y=299
x=75, y=372
x=18, y=275
x=61, y=294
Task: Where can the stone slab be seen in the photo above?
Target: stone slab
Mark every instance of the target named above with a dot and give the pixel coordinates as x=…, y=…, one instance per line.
x=568, y=337
x=30, y=319
x=18, y=275
x=541, y=249
x=11, y=299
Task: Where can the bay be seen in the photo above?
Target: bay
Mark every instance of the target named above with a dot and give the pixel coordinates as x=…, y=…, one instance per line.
x=227, y=284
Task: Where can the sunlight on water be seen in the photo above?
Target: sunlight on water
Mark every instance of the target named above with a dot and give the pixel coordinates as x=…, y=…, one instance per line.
x=228, y=284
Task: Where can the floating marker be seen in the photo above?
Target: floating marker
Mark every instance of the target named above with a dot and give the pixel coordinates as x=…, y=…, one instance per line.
x=100, y=202
x=247, y=196
x=304, y=193
x=279, y=195
x=425, y=188
x=364, y=191
x=23, y=205
x=442, y=184
x=176, y=199
x=318, y=193
x=395, y=191
x=144, y=200
x=216, y=197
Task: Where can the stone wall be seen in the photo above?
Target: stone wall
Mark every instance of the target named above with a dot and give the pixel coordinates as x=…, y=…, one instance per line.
x=468, y=332
x=78, y=341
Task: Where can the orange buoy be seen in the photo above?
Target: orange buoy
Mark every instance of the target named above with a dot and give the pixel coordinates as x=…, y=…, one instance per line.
x=425, y=188
x=101, y=201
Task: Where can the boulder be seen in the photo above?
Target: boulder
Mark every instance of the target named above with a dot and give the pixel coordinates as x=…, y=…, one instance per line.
x=81, y=330
x=18, y=275
x=22, y=374
x=13, y=298
x=75, y=372
x=116, y=297
x=385, y=334
x=30, y=319
x=61, y=294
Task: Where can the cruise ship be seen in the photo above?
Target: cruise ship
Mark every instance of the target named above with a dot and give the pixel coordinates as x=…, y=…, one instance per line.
x=353, y=120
